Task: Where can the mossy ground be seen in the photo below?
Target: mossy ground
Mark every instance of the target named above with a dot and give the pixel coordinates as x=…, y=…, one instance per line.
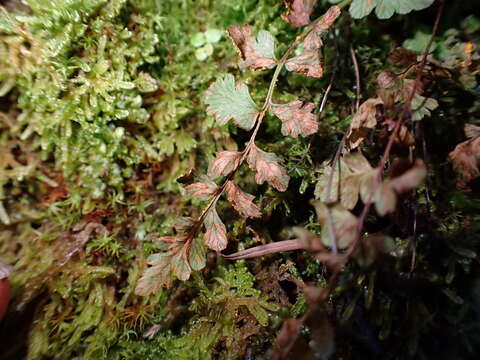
x=102, y=110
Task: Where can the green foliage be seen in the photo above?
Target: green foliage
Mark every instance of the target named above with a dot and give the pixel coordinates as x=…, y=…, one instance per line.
x=81, y=82
x=226, y=313
x=103, y=105
x=228, y=101
x=384, y=9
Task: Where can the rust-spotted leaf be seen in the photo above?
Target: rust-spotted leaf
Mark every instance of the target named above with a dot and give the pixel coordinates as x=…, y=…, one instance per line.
x=308, y=64
x=297, y=118
x=241, y=201
x=227, y=101
x=162, y=271
x=267, y=168
x=179, y=263
x=225, y=162
x=203, y=189
x=299, y=12
x=256, y=53
x=313, y=40
x=216, y=233
x=197, y=255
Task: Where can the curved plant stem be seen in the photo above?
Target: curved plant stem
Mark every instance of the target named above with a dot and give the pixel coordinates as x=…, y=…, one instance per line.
x=262, y=250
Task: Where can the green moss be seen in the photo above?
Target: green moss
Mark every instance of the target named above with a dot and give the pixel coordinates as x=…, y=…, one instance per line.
x=227, y=312
x=102, y=109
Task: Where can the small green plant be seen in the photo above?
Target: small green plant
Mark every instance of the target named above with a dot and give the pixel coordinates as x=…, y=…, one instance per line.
x=384, y=9
x=184, y=252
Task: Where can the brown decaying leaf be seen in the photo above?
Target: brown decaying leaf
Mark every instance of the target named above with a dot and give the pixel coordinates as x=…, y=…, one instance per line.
x=203, y=190
x=344, y=224
x=159, y=274
x=385, y=199
x=267, y=168
x=313, y=41
x=352, y=178
x=299, y=12
x=180, y=256
x=386, y=196
x=241, y=201
x=328, y=18
x=224, y=163
x=179, y=263
x=386, y=79
x=404, y=136
x=307, y=64
x=184, y=224
x=410, y=179
x=363, y=120
x=246, y=44
x=270, y=279
x=402, y=57
x=290, y=345
x=286, y=338
x=466, y=157
x=471, y=131
x=216, y=233
x=297, y=118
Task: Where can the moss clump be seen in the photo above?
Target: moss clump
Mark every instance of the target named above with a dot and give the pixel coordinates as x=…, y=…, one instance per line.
x=80, y=82
x=103, y=107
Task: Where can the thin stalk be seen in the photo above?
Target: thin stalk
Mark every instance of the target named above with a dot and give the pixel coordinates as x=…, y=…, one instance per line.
x=357, y=78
